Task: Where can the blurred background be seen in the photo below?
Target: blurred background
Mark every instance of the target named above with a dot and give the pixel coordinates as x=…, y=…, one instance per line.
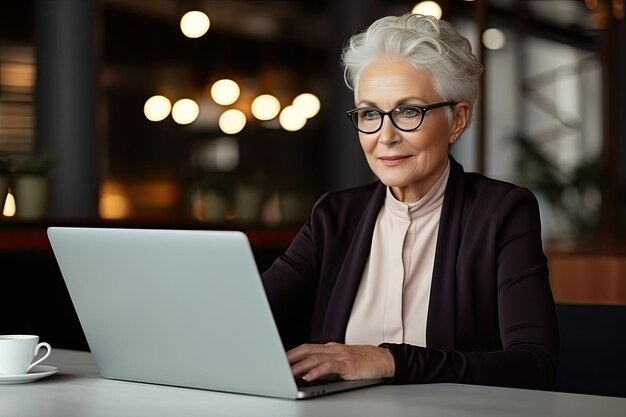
x=121, y=109
x=230, y=114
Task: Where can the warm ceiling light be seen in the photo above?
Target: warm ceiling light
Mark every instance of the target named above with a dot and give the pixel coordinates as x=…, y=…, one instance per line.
x=308, y=104
x=225, y=92
x=157, y=108
x=291, y=119
x=494, y=39
x=232, y=121
x=185, y=111
x=265, y=107
x=194, y=24
x=428, y=8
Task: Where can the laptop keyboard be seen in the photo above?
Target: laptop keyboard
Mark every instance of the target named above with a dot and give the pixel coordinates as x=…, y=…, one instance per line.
x=301, y=383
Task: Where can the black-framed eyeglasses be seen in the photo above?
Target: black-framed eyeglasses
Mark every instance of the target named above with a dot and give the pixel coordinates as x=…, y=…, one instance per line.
x=405, y=117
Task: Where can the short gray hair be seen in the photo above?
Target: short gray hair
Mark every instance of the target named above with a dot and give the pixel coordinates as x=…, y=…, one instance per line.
x=427, y=44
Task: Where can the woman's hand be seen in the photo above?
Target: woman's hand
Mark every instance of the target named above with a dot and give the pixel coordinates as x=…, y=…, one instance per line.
x=312, y=361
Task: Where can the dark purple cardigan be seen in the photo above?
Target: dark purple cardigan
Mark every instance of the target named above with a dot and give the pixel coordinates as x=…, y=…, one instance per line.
x=491, y=317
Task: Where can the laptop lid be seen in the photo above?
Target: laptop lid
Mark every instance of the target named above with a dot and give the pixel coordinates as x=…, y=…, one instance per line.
x=177, y=307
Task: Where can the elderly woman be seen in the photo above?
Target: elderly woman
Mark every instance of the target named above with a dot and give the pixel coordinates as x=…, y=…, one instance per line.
x=429, y=274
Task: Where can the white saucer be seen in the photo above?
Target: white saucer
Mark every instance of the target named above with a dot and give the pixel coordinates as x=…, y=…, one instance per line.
x=38, y=372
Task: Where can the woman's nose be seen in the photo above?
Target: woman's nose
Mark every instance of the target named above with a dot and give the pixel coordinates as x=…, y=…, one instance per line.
x=388, y=134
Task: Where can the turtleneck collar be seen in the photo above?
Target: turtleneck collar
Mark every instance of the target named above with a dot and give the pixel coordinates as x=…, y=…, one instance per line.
x=432, y=200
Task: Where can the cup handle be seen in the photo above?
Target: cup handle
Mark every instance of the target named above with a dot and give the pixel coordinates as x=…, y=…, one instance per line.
x=39, y=346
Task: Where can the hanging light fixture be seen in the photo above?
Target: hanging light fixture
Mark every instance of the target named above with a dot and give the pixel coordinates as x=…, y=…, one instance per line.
x=194, y=24
x=157, y=108
x=232, y=121
x=428, y=8
x=308, y=104
x=225, y=91
x=265, y=107
x=185, y=111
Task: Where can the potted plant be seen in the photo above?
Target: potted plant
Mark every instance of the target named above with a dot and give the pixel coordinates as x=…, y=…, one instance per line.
x=211, y=198
x=248, y=196
x=574, y=195
x=295, y=197
x=30, y=185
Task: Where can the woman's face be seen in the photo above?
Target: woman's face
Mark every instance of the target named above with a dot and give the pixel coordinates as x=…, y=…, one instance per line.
x=408, y=162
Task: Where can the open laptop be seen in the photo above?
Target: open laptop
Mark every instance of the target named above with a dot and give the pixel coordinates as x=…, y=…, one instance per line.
x=177, y=307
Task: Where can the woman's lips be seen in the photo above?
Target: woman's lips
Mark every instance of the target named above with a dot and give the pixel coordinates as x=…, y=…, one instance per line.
x=393, y=160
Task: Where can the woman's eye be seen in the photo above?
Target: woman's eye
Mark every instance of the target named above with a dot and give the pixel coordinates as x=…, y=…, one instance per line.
x=409, y=111
x=370, y=114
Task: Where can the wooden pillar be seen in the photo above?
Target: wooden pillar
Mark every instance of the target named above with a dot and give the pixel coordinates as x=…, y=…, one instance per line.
x=614, y=136
x=619, y=130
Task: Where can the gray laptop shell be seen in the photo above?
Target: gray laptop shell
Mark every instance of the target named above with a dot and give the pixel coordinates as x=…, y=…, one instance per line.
x=175, y=307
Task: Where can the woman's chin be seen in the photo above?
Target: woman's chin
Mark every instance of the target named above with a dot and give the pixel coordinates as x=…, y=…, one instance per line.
x=393, y=183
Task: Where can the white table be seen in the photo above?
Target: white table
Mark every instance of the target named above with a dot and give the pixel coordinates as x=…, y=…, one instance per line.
x=78, y=390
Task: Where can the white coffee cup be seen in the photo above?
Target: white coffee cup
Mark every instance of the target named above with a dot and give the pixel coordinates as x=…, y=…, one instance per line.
x=17, y=352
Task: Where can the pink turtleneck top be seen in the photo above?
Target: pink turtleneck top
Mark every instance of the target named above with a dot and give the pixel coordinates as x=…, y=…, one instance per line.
x=391, y=304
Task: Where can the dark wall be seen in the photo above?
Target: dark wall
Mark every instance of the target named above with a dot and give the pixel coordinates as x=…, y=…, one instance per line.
x=35, y=300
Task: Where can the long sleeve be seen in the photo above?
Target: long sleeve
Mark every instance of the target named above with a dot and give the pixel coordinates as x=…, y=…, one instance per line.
x=527, y=328
x=311, y=287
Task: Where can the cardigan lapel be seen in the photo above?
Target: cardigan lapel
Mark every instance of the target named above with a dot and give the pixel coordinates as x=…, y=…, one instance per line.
x=440, y=324
x=349, y=278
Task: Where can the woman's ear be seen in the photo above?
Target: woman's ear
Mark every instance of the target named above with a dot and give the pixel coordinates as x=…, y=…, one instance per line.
x=460, y=119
